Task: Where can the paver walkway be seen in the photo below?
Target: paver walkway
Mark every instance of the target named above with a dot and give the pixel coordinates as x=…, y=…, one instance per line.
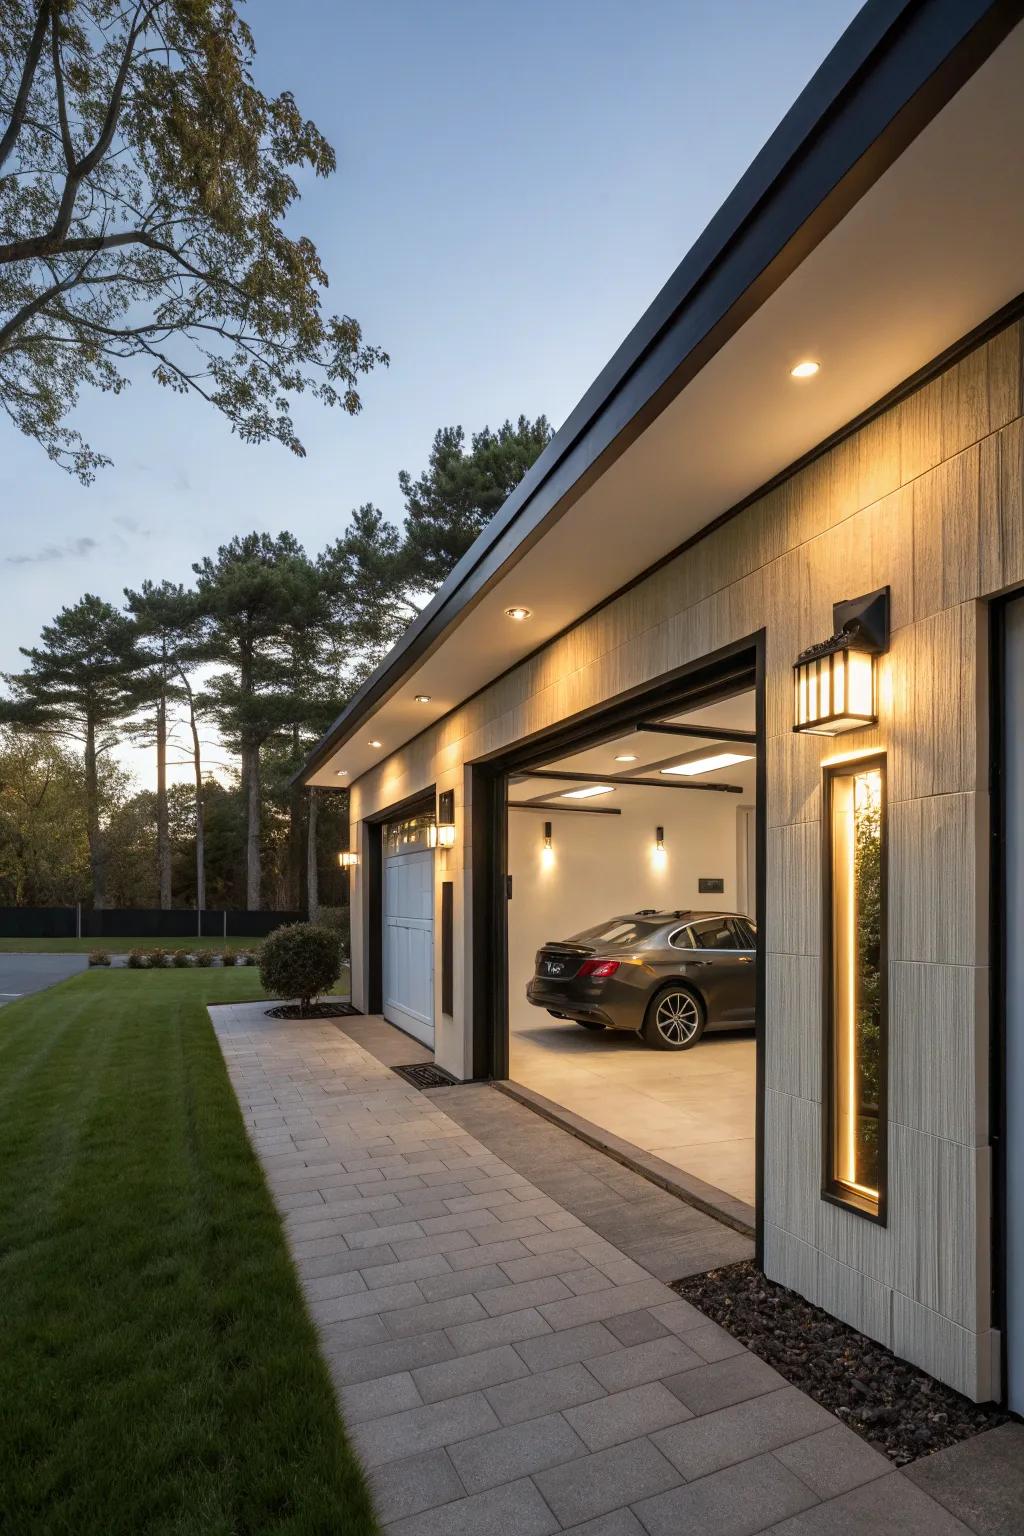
x=502, y=1367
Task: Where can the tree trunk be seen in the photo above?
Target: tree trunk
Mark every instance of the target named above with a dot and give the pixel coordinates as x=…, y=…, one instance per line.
x=97, y=866
x=312, y=872
x=295, y=809
x=251, y=781
x=197, y=764
x=163, y=834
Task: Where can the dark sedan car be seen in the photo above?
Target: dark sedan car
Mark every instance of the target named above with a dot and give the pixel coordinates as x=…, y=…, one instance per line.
x=667, y=975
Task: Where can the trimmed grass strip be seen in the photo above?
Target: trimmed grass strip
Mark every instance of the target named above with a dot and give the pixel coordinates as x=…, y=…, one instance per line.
x=158, y=1370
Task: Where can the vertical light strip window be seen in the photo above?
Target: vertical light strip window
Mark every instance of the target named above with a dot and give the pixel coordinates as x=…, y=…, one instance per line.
x=855, y=1066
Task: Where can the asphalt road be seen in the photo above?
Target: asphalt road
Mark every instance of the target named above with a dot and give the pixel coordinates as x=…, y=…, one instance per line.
x=31, y=973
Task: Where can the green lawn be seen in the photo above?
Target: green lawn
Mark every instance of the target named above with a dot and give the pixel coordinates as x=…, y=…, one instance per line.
x=158, y=1372
x=115, y=946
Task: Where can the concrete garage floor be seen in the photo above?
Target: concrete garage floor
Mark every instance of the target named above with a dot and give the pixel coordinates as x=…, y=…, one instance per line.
x=692, y=1109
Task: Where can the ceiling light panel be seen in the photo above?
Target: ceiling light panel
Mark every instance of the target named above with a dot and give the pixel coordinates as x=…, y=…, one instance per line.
x=709, y=764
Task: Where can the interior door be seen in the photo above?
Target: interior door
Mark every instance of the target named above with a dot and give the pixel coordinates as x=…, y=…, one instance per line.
x=1013, y=971
x=408, y=940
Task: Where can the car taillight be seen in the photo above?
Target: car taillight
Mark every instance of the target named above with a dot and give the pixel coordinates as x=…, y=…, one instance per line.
x=598, y=968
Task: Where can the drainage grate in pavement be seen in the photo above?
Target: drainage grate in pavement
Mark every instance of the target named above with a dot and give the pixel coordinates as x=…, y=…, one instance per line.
x=425, y=1075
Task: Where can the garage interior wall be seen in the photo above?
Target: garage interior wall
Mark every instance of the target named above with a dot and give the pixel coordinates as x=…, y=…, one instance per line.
x=603, y=865
x=927, y=498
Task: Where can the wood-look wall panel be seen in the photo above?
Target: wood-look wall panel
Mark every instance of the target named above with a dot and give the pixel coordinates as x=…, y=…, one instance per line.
x=794, y=860
x=794, y=1025
x=920, y=429
x=938, y=1050
x=792, y=1164
x=791, y=1262
x=1002, y=509
x=931, y=720
x=946, y=539
x=1005, y=356
x=794, y=772
x=854, y=1297
x=932, y=880
x=956, y=1355
x=933, y=1189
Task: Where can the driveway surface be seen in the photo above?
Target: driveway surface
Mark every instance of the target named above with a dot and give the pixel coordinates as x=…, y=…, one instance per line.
x=31, y=973
x=501, y=1365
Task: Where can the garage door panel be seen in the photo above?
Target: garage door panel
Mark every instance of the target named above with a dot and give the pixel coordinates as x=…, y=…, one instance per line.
x=408, y=943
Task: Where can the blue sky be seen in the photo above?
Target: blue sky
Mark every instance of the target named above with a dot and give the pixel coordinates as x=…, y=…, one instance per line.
x=515, y=182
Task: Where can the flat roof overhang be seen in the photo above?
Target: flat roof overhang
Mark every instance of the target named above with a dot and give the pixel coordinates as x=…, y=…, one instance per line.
x=882, y=222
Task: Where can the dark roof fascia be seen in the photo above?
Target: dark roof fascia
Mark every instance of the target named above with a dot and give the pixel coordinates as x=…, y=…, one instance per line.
x=898, y=63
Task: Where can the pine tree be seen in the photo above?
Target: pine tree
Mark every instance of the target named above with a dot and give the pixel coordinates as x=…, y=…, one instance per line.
x=81, y=683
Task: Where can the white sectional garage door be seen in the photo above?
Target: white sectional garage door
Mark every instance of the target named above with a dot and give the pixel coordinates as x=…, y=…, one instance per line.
x=408, y=937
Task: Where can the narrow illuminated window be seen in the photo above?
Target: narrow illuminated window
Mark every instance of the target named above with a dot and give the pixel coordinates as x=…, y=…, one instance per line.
x=855, y=997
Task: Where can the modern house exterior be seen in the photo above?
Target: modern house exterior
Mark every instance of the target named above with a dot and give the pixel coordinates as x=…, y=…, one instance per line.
x=843, y=545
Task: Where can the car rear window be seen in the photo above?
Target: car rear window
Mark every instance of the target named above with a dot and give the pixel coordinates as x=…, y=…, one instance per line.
x=620, y=930
x=718, y=933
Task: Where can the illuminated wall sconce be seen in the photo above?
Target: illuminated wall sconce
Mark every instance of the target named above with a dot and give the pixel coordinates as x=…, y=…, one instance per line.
x=547, y=852
x=547, y=834
x=442, y=834
x=659, y=839
x=836, y=681
x=348, y=859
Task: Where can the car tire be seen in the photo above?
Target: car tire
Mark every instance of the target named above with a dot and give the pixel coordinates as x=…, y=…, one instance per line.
x=675, y=1019
x=589, y=1024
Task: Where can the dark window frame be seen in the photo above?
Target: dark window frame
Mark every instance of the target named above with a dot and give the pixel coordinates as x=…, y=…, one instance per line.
x=834, y=1190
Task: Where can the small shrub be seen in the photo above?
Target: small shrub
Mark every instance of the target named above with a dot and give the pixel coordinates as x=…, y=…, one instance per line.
x=138, y=960
x=204, y=957
x=181, y=958
x=99, y=957
x=229, y=957
x=158, y=958
x=301, y=960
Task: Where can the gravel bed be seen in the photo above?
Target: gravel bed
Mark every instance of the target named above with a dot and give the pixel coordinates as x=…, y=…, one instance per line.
x=314, y=1011
x=901, y=1410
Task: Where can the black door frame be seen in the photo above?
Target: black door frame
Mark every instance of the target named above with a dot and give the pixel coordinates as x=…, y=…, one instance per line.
x=998, y=1106
x=742, y=662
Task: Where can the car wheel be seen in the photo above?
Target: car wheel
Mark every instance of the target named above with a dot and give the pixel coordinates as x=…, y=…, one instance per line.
x=589, y=1024
x=675, y=1019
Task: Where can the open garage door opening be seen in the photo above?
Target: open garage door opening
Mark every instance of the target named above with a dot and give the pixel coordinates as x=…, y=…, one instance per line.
x=632, y=936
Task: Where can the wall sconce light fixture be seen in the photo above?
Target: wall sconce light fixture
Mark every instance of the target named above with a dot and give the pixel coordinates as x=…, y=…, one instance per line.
x=442, y=834
x=348, y=859
x=547, y=852
x=836, y=681
x=659, y=839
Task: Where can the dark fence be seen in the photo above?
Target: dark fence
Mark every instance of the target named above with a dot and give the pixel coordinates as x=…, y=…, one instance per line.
x=139, y=923
x=38, y=922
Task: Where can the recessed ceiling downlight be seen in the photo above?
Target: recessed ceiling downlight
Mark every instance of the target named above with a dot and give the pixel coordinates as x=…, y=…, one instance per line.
x=340, y=773
x=517, y=613
x=374, y=743
x=805, y=370
x=626, y=757
x=588, y=792
x=423, y=698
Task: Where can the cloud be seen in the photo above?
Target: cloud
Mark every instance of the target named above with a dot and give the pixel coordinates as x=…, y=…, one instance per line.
x=71, y=549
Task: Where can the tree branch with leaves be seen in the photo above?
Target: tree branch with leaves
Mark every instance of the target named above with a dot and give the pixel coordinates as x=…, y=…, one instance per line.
x=145, y=184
